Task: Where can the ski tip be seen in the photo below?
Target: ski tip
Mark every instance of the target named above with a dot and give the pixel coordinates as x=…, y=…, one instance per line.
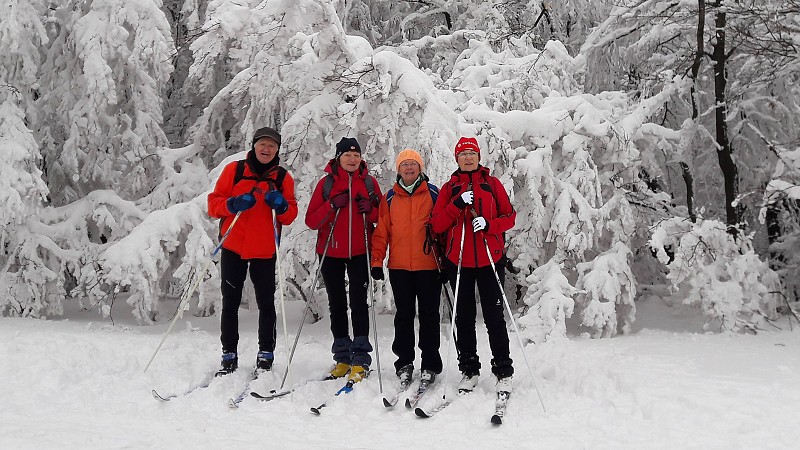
x=497, y=420
x=316, y=411
x=408, y=404
x=421, y=413
x=389, y=404
x=158, y=396
x=232, y=404
x=271, y=396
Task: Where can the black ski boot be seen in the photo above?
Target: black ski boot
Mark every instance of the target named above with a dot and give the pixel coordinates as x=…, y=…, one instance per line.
x=404, y=374
x=264, y=361
x=230, y=362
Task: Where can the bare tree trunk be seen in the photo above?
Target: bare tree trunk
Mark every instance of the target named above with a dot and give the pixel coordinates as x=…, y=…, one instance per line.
x=688, y=179
x=724, y=150
x=698, y=54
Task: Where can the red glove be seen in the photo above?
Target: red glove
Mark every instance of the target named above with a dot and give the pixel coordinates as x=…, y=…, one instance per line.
x=364, y=205
x=340, y=200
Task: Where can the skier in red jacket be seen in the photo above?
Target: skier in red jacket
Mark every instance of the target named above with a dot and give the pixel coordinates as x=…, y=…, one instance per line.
x=348, y=194
x=476, y=203
x=253, y=188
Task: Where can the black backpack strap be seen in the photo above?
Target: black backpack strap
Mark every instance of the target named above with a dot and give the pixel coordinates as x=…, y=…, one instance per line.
x=370, y=184
x=239, y=174
x=327, y=186
x=277, y=183
x=280, y=175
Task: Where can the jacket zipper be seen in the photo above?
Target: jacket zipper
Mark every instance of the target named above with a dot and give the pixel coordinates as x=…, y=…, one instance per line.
x=474, y=235
x=350, y=216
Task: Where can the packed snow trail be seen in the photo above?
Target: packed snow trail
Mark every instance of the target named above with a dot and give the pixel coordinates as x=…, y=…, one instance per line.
x=77, y=384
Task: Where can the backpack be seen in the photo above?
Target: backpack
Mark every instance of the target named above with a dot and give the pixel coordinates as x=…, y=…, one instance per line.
x=277, y=184
x=433, y=242
x=486, y=186
x=328, y=185
x=433, y=190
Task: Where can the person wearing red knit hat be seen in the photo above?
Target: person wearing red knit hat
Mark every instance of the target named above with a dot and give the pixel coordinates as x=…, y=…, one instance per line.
x=475, y=204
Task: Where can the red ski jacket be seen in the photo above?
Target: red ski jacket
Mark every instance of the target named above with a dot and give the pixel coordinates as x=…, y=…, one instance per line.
x=253, y=236
x=490, y=201
x=348, y=232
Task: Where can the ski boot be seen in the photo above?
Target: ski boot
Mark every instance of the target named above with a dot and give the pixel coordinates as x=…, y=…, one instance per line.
x=230, y=362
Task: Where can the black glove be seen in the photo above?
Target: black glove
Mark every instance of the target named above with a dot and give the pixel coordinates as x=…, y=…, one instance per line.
x=464, y=199
x=377, y=273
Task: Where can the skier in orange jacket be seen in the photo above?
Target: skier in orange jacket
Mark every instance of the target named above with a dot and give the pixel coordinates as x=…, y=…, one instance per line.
x=403, y=218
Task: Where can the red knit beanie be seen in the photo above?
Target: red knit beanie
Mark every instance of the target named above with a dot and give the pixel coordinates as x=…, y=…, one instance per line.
x=467, y=144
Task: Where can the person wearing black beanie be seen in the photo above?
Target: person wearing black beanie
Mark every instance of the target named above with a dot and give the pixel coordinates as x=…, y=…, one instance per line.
x=346, y=144
x=343, y=210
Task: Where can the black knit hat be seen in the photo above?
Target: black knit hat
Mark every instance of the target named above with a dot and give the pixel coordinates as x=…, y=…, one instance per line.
x=266, y=132
x=347, y=145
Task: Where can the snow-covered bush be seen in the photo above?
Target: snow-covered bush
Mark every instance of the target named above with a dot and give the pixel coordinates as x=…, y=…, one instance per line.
x=550, y=300
x=721, y=275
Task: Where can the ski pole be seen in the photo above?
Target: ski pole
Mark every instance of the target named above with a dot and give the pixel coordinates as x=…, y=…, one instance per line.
x=280, y=283
x=308, y=303
x=448, y=291
x=451, y=336
x=510, y=314
x=372, y=304
x=188, y=294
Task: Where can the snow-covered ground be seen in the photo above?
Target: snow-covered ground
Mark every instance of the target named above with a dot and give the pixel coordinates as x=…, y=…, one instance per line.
x=78, y=383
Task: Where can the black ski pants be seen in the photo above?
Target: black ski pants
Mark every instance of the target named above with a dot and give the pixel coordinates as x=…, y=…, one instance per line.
x=414, y=289
x=234, y=272
x=491, y=299
x=353, y=351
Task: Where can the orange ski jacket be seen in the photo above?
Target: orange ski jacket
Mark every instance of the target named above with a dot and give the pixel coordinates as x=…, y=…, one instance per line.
x=401, y=228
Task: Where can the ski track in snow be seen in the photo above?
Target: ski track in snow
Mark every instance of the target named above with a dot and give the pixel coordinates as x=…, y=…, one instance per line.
x=79, y=384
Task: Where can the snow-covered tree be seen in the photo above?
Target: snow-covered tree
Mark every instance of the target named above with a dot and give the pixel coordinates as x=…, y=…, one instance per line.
x=22, y=190
x=588, y=173
x=103, y=79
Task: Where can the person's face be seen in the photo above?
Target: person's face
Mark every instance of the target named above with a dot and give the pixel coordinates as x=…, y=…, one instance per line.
x=266, y=149
x=468, y=160
x=350, y=161
x=409, y=171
